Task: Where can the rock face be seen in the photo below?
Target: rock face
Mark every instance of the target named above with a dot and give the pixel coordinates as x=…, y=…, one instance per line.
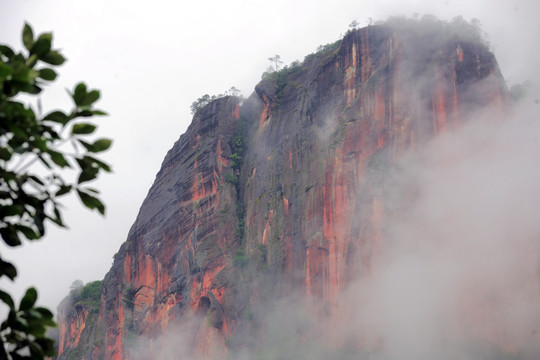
x=287, y=192
x=77, y=318
x=180, y=240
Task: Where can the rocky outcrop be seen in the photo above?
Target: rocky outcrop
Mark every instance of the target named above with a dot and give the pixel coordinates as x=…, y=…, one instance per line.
x=71, y=326
x=288, y=192
x=77, y=319
x=180, y=240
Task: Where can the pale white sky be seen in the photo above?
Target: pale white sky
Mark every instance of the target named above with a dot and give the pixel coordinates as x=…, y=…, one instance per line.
x=152, y=59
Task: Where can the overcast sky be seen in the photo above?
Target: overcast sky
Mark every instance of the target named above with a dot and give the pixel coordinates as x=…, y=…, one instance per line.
x=151, y=60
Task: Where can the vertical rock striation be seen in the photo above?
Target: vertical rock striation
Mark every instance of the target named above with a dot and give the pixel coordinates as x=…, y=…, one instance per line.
x=314, y=175
x=179, y=242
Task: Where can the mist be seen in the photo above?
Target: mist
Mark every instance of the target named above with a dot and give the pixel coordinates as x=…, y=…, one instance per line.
x=460, y=270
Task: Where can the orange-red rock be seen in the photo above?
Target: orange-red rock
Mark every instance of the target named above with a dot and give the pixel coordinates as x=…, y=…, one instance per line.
x=307, y=209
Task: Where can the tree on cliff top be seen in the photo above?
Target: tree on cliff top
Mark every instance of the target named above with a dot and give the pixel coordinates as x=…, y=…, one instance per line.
x=207, y=99
x=36, y=154
x=276, y=59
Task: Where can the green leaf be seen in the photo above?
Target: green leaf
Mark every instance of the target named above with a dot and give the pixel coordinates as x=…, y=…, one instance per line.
x=58, y=158
x=37, y=180
x=29, y=299
x=79, y=94
x=35, y=350
x=99, y=112
x=5, y=153
x=88, y=174
x=47, y=74
x=10, y=236
x=58, y=217
x=27, y=37
x=8, y=270
x=29, y=88
x=58, y=117
x=10, y=210
x=51, y=132
x=34, y=90
x=83, y=129
x=39, y=218
x=87, y=145
x=6, y=50
x=18, y=131
x=101, y=145
x=89, y=168
x=53, y=58
x=85, y=113
x=99, y=163
x=28, y=232
x=21, y=74
x=6, y=299
x=19, y=323
x=33, y=75
x=64, y=189
x=47, y=345
x=42, y=45
x=90, y=98
x=32, y=61
x=40, y=143
x=91, y=202
x=5, y=70
x=45, y=313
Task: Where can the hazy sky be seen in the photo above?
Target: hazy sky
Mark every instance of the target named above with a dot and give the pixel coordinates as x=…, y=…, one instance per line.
x=152, y=59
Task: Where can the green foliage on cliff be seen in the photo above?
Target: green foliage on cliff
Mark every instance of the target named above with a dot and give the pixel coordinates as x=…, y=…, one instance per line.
x=323, y=51
x=207, y=99
x=89, y=295
x=36, y=152
x=240, y=258
x=431, y=29
x=238, y=145
x=231, y=178
x=202, y=102
x=240, y=227
x=283, y=77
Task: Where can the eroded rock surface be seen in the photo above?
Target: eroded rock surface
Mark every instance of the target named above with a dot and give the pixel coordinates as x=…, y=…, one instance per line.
x=299, y=207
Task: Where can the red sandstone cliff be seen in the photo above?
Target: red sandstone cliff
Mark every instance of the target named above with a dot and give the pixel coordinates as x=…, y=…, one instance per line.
x=215, y=241
x=77, y=318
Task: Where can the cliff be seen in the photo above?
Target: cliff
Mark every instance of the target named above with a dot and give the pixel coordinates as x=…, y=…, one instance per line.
x=287, y=193
x=77, y=317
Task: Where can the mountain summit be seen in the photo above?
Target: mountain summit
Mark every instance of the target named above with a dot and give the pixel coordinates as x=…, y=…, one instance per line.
x=275, y=221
